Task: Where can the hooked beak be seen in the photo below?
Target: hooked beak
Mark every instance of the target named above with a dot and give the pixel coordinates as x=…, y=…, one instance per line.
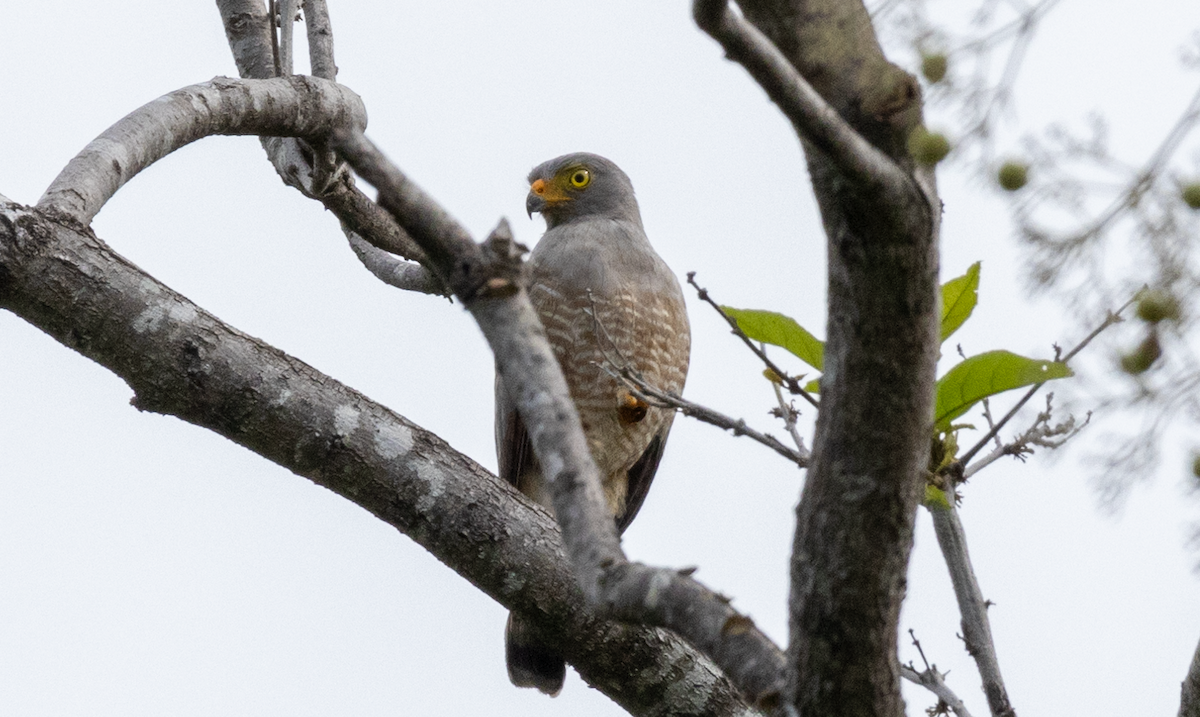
x=534, y=203
x=543, y=194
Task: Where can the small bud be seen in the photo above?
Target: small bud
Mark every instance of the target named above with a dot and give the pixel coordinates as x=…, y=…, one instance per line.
x=1013, y=175
x=1142, y=358
x=1196, y=465
x=1191, y=195
x=933, y=66
x=927, y=147
x=1156, y=305
x=771, y=376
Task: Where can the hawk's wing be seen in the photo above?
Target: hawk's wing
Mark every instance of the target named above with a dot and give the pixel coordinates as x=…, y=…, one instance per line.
x=640, y=476
x=514, y=452
x=515, y=456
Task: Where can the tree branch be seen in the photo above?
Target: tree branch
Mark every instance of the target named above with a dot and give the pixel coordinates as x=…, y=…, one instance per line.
x=977, y=630
x=788, y=414
x=181, y=361
x=320, y=39
x=295, y=106
x=934, y=681
x=1114, y=317
x=250, y=32
x=657, y=397
x=1040, y=433
x=814, y=119
x=489, y=280
x=1189, y=701
x=405, y=275
x=792, y=383
x=286, y=16
x=854, y=112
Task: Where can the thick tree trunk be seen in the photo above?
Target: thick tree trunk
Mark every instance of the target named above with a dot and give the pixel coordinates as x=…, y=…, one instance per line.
x=855, y=519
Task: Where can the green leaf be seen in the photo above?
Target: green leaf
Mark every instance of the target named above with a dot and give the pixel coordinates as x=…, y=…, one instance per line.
x=986, y=375
x=779, y=330
x=935, y=498
x=959, y=297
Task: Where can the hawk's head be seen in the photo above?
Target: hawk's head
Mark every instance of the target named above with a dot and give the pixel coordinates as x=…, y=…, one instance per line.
x=580, y=185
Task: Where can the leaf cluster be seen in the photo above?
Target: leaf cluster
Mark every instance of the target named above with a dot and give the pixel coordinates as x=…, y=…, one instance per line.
x=964, y=385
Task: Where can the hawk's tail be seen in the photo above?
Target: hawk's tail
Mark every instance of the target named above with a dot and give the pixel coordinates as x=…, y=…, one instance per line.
x=531, y=663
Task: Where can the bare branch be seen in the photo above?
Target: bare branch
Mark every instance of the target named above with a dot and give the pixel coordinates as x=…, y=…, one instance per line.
x=325, y=167
x=287, y=26
x=392, y=271
x=616, y=366
x=658, y=397
x=1040, y=433
x=1110, y=320
x=296, y=106
x=251, y=34
x=1189, y=702
x=181, y=361
x=312, y=171
x=791, y=382
x=977, y=630
x=814, y=119
x=789, y=414
x=934, y=681
x=320, y=39
x=489, y=280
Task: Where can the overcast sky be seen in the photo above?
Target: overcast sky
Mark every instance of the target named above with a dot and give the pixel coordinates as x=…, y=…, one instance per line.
x=150, y=567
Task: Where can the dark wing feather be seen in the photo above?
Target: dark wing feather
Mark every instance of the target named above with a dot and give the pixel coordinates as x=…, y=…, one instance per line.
x=514, y=452
x=640, y=476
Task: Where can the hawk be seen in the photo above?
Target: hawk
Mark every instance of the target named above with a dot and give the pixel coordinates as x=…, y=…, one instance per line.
x=606, y=300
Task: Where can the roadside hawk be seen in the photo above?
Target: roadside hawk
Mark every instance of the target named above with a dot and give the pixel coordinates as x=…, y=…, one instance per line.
x=605, y=298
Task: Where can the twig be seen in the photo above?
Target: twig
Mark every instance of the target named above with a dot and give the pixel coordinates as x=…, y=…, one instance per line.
x=1113, y=318
x=934, y=681
x=789, y=413
x=792, y=383
x=619, y=368
x=987, y=414
x=1039, y=433
x=738, y=426
x=977, y=631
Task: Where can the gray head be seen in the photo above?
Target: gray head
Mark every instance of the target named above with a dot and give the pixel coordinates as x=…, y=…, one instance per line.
x=580, y=185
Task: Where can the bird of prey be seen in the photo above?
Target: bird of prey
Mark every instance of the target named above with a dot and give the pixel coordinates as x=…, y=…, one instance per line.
x=606, y=299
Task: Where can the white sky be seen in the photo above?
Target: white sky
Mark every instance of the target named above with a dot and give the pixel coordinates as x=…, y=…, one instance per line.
x=150, y=567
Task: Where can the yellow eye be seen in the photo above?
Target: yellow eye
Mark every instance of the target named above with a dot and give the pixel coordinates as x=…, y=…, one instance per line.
x=580, y=178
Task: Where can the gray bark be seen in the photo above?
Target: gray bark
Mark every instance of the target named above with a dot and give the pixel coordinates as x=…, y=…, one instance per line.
x=855, y=519
x=181, y=361
x=1189, y=702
